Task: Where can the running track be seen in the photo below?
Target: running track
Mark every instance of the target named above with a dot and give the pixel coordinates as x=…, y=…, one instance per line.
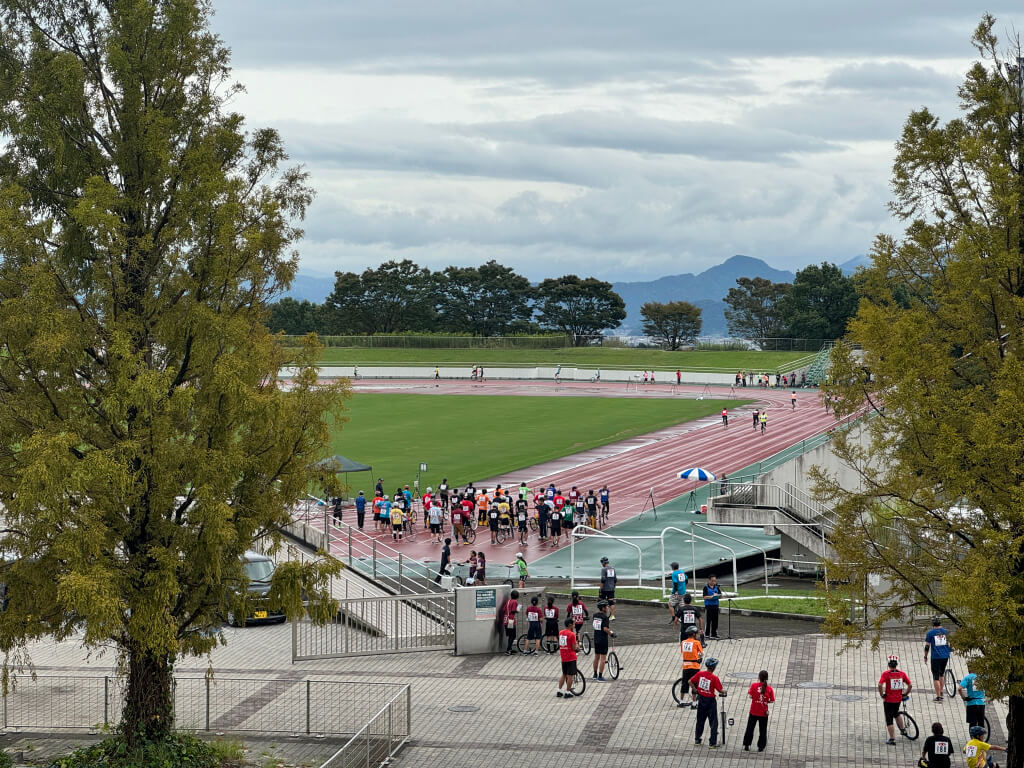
x=635, y=467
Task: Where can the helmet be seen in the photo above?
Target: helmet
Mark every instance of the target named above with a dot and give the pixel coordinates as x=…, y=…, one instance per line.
x=711, y=662
x=429, y=489
x=977, y=731
x=604, y=559
x=893, y=659
x=602, y=604
x=692, y=630
x=937, y=622
x=519, y=554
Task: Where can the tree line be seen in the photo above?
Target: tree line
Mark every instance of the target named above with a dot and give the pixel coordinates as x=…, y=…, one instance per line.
x=489, y=300
x=494, y=300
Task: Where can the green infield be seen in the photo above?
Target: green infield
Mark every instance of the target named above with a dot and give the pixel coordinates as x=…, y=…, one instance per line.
x=592, y=357
x=470, y=438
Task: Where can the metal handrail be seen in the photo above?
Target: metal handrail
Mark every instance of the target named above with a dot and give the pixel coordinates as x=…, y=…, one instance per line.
x=581, y=531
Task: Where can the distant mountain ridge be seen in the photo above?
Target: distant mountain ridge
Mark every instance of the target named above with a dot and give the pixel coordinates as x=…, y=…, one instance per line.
x=706, y=290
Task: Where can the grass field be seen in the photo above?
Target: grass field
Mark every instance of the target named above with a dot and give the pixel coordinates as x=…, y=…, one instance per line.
x=593, y=357
x=471, y=438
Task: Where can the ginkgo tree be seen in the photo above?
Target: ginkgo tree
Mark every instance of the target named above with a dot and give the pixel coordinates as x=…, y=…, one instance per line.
x=936, y=524
x=147, y=441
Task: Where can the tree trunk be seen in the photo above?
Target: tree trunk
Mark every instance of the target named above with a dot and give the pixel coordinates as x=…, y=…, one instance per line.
x=1015, y=733
x=149, y=699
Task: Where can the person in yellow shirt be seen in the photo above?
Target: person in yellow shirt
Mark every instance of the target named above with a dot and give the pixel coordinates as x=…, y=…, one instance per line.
x=977, y=749
x=396, y=522
x=693, y=654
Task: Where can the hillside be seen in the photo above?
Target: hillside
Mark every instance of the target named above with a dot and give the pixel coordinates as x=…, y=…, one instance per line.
x=706, y=290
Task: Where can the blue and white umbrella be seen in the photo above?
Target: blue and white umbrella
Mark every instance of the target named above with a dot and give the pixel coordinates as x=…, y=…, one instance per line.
x=696, y=473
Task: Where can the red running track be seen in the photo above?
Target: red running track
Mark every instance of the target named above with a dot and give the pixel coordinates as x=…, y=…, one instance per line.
x=634, y=468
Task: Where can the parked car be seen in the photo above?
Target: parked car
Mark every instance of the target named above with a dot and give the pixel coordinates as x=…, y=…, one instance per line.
x=259, y=569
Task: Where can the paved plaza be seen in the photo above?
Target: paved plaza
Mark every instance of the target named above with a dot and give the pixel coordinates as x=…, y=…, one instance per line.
x=502, y=711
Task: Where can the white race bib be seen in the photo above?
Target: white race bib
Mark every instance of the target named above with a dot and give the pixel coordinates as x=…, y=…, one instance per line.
x=704, y=684
x=941, y=747
x=563, y=641
x=971, y=750
x=597, y=625
x=896, y=685
x=611, y=573
x=940, y=640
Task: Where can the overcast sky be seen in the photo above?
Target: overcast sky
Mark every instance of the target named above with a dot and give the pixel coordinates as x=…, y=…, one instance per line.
x=621, y=140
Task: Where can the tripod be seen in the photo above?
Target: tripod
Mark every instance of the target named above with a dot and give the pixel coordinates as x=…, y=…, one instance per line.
x=650, y=500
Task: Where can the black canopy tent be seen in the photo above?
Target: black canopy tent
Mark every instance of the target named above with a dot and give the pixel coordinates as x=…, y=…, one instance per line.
x=341, y=465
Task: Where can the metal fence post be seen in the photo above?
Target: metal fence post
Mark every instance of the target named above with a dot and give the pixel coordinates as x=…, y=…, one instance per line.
x=207, y=703
x=106, y=703
x=400, y=573
x=368, y=746
x=350, y=547
x=408, y=710
x=394, y=626
x=375, y=558
x=307, y=706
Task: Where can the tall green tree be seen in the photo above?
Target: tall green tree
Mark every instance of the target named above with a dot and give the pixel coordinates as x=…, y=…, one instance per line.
x=753, y=308
x=145, y=441
x=937, y=521
x=820, y=304
x=579, y=308
x=489, y=300
x=293, y=317
x=396, y=296
x=674, y=323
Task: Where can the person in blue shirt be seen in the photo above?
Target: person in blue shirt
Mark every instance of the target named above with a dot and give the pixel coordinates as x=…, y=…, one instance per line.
x=604, y=494
x=711, y=594
x=973, y=696
x=937, y=641
x=360, y=508
x=675, y=597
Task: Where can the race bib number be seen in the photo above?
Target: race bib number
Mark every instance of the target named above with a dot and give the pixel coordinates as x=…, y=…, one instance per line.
x=687, y=646
x=895, y=685
x=555, y=516
x=522, y=516
x=971, y=750
x=549, y=613
x=494, y=515
x=690, y=617
x=941, y=747
x=611, y=573
x=940, y=640
x=577, y=610
x=563, y=641
x=597, y=625
x=704, y=684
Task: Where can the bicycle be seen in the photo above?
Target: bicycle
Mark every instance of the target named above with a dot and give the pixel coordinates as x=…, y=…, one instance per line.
x=508, y=580
x=584, y=640
x=603, y=516
x=579, y=684
x=612, y=660
x=909, y=730
x=504, y=532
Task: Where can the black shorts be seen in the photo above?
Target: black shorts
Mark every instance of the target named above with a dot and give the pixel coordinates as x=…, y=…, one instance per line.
x=550, y=627
x=601, y=648
x=609, y=595
x=435, y=527
x=569, y=667
x=556, y=527
x=975, y=714
x=522, y=525
x=939, y=667
x=493, y=524
x=533, y=633
x=892, y=708
x=687, y=674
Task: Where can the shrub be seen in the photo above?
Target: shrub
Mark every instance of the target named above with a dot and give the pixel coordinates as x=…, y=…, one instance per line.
x=181, y=750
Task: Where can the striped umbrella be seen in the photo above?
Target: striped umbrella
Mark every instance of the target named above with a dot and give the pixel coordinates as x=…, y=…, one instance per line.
x=696, y=473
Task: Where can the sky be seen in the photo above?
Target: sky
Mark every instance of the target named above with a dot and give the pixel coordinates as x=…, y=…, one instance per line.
x=620, y=140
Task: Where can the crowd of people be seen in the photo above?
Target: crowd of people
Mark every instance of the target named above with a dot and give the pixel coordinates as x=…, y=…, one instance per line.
x=515, y=510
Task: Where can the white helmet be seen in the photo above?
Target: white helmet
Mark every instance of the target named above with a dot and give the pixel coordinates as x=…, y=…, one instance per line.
x=519, y=554
x=429, y=489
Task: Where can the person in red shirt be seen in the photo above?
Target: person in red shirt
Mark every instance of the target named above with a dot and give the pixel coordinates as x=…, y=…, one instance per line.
x=707, y=685
x=511, y=609
x=567, y=645
x=559, y=500
x=574, y=494
x=534, y=629
x=893, y=687
x=577, y=611
x=761, y=695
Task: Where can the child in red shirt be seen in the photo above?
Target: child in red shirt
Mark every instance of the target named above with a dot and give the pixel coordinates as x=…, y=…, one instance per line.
x=567, y=646
x=761, y=695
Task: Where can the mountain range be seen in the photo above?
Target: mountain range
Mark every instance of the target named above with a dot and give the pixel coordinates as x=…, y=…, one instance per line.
x=706, y=289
